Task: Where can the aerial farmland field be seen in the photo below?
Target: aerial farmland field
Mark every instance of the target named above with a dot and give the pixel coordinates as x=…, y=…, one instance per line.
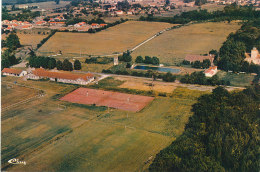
x=9, y=91
x=172, y=46
x=30, y=38
x=52, y=135
x=114, y=39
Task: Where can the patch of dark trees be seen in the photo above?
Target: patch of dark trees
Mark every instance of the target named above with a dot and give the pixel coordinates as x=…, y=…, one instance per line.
x=51, y=63
x=8, y=58
x=197, y=64
x=221, y=135
x=147, y=60
x=201, y=79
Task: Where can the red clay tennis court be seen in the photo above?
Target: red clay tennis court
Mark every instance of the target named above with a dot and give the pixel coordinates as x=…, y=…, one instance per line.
x=128, y=102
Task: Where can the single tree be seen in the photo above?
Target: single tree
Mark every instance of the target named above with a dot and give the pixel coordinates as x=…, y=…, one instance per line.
x=13, y=42
x=139, y=59
x=59, y=65
x=67, y=65
x=52, y=63
x=77, y=65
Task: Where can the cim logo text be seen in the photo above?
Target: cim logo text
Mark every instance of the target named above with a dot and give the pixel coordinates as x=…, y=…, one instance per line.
x=16, y=161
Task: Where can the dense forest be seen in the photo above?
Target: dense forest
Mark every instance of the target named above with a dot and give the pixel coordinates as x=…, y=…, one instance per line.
x=222, y=135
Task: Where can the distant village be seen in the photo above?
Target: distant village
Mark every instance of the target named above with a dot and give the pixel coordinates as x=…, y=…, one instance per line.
x=56, y=19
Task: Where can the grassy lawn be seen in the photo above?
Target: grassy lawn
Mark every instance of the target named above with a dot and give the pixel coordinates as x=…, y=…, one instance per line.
x=115, y=39
x=172, y=46
x=86, y=138
x=9, y=91
x=239, y=80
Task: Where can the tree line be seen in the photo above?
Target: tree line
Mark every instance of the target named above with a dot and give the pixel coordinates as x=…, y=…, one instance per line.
x=148, y=60
x=46, y=39
x=230, y=12
x=51, y=63
x=197, y=64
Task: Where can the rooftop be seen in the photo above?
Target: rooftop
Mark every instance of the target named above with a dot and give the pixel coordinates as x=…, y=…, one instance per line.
x=12, y=71
x=62, y=75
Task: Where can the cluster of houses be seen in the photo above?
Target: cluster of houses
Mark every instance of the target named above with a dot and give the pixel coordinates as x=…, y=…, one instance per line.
x=83, y=26
x=40, y=73
x=110, y=8
x=59, y=20
x=14, y=24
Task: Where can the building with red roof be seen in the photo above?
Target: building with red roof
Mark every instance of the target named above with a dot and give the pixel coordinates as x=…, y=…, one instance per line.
x=13, y=72
x=102, y=25
x=57, y=23
x=28, y=26
x=40, y=23
x=95, y=25
x=65, y=77
x=211, y=71
x=119, y=12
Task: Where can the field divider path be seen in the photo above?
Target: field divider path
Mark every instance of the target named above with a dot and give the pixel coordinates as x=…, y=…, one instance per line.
x=142, y=43
x=159, y=33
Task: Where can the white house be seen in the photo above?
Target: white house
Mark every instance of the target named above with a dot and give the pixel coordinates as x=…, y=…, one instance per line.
x=211, y=71
x=119, y=12
x=253, y=57
x=13, y=72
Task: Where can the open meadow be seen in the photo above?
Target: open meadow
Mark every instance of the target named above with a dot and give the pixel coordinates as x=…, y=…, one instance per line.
x=12, y=94
x=236, y=79
x=112, y=40
x=172, y=46
x=52, y=135
x=30, y=37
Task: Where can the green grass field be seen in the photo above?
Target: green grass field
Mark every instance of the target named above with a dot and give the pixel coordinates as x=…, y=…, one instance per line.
x=239, y=80
x=87, y=138
x=172, y=46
